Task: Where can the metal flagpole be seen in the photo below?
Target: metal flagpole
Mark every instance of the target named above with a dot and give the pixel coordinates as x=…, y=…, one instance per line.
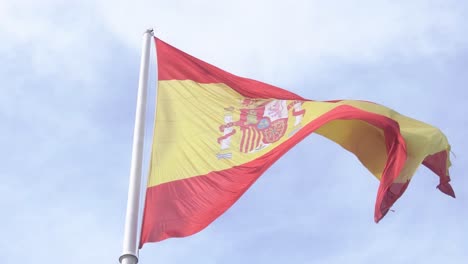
x=129, y=251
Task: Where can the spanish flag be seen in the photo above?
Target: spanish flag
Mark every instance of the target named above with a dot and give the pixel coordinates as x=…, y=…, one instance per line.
x=216, y=133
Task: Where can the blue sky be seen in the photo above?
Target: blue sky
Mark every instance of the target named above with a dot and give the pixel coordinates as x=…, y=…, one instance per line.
x=69, y=75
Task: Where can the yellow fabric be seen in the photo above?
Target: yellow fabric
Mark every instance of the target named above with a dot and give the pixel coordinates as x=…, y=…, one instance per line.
x=189, y=116
x=421, y=139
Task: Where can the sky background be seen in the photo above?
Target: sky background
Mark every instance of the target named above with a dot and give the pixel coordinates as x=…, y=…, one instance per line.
x=69, y=74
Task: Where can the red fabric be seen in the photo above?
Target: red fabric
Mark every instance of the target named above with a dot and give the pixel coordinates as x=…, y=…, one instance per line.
x=438, y=164
x=174, y=64
x=184, y=207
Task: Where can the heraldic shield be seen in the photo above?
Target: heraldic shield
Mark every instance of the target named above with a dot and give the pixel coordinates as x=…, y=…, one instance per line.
x=261, y=122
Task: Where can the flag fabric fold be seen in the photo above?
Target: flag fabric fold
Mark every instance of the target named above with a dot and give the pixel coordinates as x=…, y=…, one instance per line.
x=216, y=133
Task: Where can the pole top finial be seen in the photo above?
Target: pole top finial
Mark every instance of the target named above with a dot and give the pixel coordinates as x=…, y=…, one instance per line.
x=149, y=31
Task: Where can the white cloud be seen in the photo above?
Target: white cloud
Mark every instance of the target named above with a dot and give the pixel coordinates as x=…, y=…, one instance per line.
x=67, y=120
x=57, y=36
x=277, y=34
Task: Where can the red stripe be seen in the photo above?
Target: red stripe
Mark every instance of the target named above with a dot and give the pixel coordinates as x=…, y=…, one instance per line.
x=297, y=113
x=438, y=164
x=174, y=64
x=226, y=136
x=260, y=135
x=246, y=145
x=242, y=139
x=184, y=207
x=254, y=137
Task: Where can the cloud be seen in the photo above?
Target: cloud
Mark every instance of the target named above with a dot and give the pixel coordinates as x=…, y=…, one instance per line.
x=276, y=35
x=61, y=113
x=69, y=74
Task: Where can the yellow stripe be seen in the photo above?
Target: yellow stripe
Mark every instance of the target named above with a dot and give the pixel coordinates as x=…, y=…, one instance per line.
x=189, y=116
x=421, y=140
x=187, y=124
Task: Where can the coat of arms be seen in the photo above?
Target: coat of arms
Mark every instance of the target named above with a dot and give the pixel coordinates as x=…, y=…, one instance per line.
x=261, y=122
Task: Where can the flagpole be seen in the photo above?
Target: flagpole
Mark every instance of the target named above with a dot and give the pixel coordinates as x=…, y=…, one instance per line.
x=129, y=251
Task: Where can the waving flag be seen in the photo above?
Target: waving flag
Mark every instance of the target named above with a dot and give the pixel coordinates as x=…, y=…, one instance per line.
x=216, y=133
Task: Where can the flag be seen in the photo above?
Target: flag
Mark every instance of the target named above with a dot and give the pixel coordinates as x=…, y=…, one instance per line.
x=215, y=133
